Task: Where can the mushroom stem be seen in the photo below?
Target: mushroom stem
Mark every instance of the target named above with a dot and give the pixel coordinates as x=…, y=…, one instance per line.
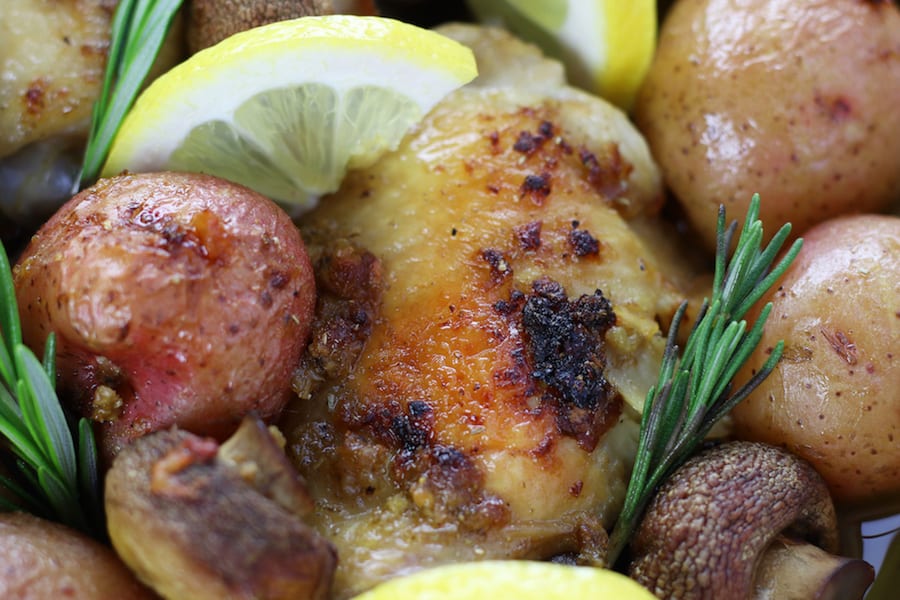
x=794, y=569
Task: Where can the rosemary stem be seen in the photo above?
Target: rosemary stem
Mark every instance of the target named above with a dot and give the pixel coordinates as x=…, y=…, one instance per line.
x=694, y=391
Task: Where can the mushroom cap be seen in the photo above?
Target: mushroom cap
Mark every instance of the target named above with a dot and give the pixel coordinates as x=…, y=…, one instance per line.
x=197, y=520
x=707, y=528
x=211, y=21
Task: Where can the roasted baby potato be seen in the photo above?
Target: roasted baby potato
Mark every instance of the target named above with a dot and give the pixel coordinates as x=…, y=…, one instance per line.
x=796, y=101
x=41, y=559
x=833, y=397
x=176, y=299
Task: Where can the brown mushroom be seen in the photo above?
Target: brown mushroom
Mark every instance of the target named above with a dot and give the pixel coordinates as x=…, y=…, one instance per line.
x=211, y=21
x=40, y=559
x=197, y=520
x=745, y=520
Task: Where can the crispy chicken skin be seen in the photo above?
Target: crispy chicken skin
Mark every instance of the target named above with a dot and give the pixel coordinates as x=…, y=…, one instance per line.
x=487, y=320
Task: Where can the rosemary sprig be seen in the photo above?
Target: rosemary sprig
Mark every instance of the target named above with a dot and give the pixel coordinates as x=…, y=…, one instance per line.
x=58, y=478
x=138, y=30
x=695, y=391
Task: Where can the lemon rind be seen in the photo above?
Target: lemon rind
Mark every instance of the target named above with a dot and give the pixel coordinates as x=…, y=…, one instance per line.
x=340, y=50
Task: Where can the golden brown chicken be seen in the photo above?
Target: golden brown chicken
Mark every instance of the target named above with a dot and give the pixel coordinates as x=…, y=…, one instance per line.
x=488, y=319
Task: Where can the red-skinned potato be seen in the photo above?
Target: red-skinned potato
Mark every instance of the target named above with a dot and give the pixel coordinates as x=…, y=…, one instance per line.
x=176, y=299
x=40, y=559
x=796, y=101
x=833, y=399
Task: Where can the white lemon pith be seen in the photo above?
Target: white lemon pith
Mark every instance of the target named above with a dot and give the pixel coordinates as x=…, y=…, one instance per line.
x=606, y=45
x=287, y=108
x=520, y=579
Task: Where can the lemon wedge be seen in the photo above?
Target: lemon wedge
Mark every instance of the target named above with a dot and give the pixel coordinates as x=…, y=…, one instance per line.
x=520, y=579
x=606, y=45
x=287, y=108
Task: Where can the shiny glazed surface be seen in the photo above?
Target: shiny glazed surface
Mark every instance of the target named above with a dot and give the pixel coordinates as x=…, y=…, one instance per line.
x=833, y=399
x=796, y=101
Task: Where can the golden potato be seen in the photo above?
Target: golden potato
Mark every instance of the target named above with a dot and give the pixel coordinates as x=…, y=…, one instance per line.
x=833, y=399
x=52, y=56
x=794, y=100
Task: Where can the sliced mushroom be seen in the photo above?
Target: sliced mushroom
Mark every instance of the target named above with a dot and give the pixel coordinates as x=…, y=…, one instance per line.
x=197, y=520
x=253, y=454
x=745, y=520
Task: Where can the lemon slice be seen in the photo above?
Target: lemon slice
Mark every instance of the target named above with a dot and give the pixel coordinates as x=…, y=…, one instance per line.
x=523, y=580
x=287, y=108
x=606, y=45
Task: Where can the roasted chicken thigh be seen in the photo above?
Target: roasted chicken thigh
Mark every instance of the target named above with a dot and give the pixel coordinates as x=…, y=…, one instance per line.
x=488, y=326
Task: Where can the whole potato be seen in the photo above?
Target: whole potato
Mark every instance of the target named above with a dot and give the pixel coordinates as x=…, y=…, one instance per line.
x=40, y=559
x=834, y=398
x=177, y=299
x=797, y=101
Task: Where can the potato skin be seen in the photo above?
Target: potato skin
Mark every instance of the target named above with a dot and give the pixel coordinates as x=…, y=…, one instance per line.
x=833, y=398
x=794, y=100
x=187, y=296
x=41, y=559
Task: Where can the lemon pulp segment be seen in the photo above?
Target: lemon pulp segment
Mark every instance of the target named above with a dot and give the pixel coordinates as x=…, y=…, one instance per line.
x=295, y=156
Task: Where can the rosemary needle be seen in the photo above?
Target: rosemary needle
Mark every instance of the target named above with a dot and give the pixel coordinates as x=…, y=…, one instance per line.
x=139, y=29
x=58, y=476
x=694, y=391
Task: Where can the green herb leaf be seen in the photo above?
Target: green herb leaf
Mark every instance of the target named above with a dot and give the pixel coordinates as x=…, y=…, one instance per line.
x=10, y=327
x=53, y=426
x=88, y=471
x=23, y=499
x=694, y=391
x=36, y=429
x=138, y=31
